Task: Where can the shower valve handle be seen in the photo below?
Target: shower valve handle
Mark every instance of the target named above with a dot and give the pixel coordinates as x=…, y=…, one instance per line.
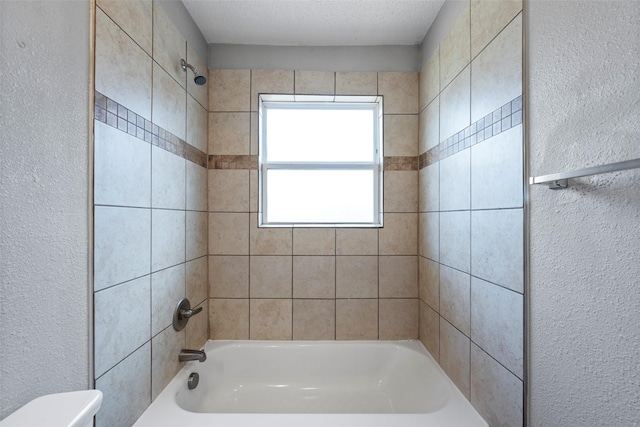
x=190, y=312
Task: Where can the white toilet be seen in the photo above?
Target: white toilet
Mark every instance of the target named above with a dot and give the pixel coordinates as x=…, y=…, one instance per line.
x=73, y=409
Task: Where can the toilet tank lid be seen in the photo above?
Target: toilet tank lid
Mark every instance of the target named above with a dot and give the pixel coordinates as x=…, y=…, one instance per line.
x=72, y=409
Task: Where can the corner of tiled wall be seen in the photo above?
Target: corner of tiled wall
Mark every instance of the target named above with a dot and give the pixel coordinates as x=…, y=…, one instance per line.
x=305, y=283
x=150, y=205
x=470, y=203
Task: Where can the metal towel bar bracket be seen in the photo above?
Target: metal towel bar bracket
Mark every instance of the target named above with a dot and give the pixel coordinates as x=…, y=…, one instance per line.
x=558, y=181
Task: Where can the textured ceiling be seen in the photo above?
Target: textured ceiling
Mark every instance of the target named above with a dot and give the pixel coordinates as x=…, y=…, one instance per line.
x=314, y=22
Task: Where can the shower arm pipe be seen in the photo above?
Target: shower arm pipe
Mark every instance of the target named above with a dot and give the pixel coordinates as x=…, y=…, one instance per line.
x=185, y=65
x=559, y=181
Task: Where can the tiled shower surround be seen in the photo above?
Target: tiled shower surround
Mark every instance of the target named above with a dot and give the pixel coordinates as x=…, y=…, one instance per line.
x=471, y=245
x=310, y=283
x=150, y=247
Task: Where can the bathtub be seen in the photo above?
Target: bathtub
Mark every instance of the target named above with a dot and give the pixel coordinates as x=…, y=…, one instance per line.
x=312, y=383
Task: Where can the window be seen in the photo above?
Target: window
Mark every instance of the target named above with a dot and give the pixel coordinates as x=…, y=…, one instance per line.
x=320, y=161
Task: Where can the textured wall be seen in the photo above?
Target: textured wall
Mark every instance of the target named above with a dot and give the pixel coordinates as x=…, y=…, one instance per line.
x=44, y=249
x=584, y=110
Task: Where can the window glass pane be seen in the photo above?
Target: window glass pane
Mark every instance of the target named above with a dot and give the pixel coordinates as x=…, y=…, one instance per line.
x=319, y=135
x=320, y=196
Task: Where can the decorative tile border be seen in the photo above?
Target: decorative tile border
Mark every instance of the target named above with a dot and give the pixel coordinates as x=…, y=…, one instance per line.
x=502, y=119
x=222, y=161
x=118, y=116
x=401, y=163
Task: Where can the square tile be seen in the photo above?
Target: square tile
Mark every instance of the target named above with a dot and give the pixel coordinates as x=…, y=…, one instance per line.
x=429, y=188
x=401, y=191
x=269, y=241
x=228, y=190
x=400, y=135
x=455, y=105
x=455, y=48
x=357, y=277
x=455, y=182
x=270, y=277
x=429, y=129
x=314, y=319
x=167, y=238
x=229, y=90
x=314, y=241
x=164, y=361
x=430, y=330
x=197, y=125
x=398, y=276
x=400, y=91
x=168, y=174
x=197, y=194
x=455, y=298
x=229, y=276
x=429, y=235
x=167, y=288
x=197, y=280
x=229, y=133
x=314, y=277
x=228, y=233
x=399, y=234
x=229, y=319
x=398, y=319
x=356, y=83
x=455, y=356
x=270, y=81
x=169, y=103
x=429, y=282
x=455, y=239
x=356, y=319
x=271, y=319
x=357, y=241
x=314, y=82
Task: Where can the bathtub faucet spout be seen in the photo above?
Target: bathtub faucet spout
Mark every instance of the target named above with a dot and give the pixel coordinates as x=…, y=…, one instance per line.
x=187, y=355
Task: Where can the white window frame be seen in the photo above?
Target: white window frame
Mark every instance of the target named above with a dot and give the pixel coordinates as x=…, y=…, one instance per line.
x=374, y=103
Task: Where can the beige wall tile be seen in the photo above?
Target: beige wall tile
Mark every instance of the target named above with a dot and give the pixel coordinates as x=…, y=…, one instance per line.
x=168, y=238
x=167, y=288
x=198, y=92
x=164, y=363
x=125, y=400
x=135, y=17
x=455, y=105
x=315, y=82
x=228, y=233
x=496, y=247
x=270, y=241
x=314, y=277
x=429, y=235
x=121, y=159
x=197, y=125
x=314, y=241
x=401, y=191
x=400, y=91
x=398, y=276
x=497, y=323
x=197, y=188
x=454, y=356
x=253, y=191
x=455, y=298
x=197, y=330
x=229, y=90
x=254, y=137
x=228, y=190
x=429, y=282
x=115, y=77
x=356, y=83
x=455, y=181
x=357, y=241
x=399, y=235
x=429, y=129
x=455, y=48
x=229, y=319
x=270, y=81
x=122, y=245
x=271, y=319
x=455, y=239
x=122, y=321
x=356, y=319
x=169, y=46
x=398, y=319
x=169, y=103
x=400, y=135
x=197, y=280
x=270, y=277
x=488, y=18
x=496, y=171
x=229, y=133
x=357, y=277
x=497, y=72
x=229, y=276
x=496, y=393
x=430, y=79
x=314, y=319
x=167, y=179
x=430, y=330
x=429, y=188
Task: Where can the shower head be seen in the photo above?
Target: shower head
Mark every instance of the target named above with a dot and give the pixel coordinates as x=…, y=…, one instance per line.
x=199, y=79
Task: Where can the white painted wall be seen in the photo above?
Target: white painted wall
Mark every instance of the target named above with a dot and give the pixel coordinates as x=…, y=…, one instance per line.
x=44, y=89
x=584, y=110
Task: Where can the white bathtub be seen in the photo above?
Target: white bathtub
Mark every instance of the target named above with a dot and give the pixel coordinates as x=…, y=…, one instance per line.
x=311, y=383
